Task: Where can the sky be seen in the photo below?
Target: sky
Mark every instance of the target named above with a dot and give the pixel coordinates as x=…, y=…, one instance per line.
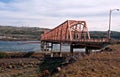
x=51, y=13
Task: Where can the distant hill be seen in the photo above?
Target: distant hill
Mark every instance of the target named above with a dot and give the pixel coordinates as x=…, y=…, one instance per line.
x=104, y=34
x=21, y=33
x=33, y=33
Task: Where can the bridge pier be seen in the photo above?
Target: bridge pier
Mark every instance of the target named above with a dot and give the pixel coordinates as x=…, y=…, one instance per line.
x=60, y=50
x=48, y=46
x=71, y=49
x=45, y=46
x=51, y=47
x=87, y=50
x=42, y=46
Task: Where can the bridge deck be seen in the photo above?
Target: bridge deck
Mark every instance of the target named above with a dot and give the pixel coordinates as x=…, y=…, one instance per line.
x=79, y=41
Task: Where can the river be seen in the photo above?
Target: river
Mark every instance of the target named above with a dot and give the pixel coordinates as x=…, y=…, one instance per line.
x=21, y=46
x=27, y=46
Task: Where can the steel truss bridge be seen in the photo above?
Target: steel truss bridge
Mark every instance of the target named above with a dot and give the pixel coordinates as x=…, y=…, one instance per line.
x=72, y=32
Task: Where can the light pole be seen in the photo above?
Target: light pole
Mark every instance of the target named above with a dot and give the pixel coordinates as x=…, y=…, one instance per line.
x=109, y=32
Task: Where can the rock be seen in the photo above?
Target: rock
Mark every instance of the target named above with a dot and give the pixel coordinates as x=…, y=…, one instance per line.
x=45, y=73
x=59, y=69
x=56, y=70
x=9, y=66
x=72, y=60
x=108, y=49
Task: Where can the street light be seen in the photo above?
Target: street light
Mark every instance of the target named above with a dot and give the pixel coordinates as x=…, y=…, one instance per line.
x=110, y=21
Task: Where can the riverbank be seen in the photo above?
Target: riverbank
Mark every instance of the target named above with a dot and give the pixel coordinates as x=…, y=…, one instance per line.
x=27, y=64
x=20, y=64
x=19, y=67
x=105, y=63
x=101, y=64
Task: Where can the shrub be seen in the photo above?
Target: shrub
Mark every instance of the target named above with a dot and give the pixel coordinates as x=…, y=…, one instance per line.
x=3, y=55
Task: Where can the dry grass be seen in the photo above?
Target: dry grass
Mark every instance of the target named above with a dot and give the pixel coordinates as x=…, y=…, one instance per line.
x=104, y=64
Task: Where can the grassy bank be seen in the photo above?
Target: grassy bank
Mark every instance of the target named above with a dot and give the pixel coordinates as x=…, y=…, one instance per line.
x=100, y=64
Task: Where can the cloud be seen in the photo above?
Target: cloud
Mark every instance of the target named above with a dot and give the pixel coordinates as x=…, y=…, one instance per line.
x=50, y=13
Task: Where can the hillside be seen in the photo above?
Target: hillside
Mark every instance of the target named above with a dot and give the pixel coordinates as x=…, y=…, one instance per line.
x=103, y=34
x=33, y=33
x=20, y=33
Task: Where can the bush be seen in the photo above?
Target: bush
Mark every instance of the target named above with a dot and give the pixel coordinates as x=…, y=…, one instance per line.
x=3, y=55
x=29, y=54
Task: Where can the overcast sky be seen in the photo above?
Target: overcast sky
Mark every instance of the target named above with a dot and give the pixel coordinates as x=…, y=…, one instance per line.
x=51, y=13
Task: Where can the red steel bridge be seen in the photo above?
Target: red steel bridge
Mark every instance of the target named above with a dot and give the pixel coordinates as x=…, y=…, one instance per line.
x=72, y=32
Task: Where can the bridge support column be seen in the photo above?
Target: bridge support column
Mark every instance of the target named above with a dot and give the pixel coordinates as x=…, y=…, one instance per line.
x=87, y=50
x=51, y=47
x=45, y=46
x=42, y=46
x=60, y=47
x=71, y=49
x=51, y=54
x=60, y=50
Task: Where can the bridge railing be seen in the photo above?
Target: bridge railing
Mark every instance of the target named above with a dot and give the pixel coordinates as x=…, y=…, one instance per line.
x=103, y=40
x=93, y=40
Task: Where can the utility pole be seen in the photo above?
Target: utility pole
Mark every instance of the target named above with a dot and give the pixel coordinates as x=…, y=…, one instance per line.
x=109, y=30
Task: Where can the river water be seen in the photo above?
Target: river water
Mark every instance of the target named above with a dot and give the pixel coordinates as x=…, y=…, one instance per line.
x=27, y=46
x=19, y=46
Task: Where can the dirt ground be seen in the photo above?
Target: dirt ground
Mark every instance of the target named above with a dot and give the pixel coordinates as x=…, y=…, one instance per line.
x=19, y=67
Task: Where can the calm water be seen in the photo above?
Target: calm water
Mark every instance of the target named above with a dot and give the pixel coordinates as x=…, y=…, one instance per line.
x=24, y=46
x=19, y=46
